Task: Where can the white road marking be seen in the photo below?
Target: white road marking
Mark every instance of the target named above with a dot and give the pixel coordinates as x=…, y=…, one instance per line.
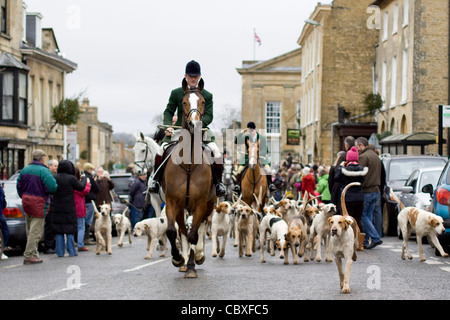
x=46, y=295
x=445, y=268
x=433, y=262
x=145, y=265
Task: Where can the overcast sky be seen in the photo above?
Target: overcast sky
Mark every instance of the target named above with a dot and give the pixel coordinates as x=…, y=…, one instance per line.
x=131, y=54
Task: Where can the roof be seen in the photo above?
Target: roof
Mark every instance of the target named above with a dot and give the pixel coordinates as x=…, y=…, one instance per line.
x=54, y=60
x=7, y=60
x=419, y=138
x=277, y=64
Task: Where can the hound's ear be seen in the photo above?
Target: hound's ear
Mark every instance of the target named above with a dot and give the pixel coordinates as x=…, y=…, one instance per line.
x=201, y=85
x=349, y=220
x=433, y=222
x=184, y=85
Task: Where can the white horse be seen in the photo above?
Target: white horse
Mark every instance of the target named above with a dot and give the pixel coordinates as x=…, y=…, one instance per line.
x=145, y=150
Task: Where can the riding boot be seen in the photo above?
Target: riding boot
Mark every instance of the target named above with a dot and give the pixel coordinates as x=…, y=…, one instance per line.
x=155, y=183
x=237, y=186
x=217, y=170
x=272, y=187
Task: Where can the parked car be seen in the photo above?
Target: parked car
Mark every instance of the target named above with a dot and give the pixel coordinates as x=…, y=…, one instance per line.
x=120, y=192
x=14, y=214
x=440, y=204
x=418, y=189
x=398, y=170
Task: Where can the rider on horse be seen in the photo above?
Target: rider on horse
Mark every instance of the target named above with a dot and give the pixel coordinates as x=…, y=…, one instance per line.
x=253, y=136
x=175, y=104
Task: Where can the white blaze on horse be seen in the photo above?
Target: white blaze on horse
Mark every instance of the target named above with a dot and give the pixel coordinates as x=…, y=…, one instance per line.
x=145, y=149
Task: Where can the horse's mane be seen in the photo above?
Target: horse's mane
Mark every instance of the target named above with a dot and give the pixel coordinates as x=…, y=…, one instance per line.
x=155, y=148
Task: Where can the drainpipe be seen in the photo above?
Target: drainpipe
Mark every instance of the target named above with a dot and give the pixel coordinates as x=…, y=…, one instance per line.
x=332, y=141
x=448, y=129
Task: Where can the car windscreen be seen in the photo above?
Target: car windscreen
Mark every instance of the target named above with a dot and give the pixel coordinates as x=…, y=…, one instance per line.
x=400, y=169
x=121, y=185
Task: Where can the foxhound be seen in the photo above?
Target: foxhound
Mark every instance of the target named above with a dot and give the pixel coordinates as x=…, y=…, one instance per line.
x=423, y=222
x=344, y=242
x=278, y=230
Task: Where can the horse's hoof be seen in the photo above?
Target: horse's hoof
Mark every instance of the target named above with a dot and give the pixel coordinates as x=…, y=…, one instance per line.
x=182, y=269
x=190, y=274
x=178, y=263
x=201, y=260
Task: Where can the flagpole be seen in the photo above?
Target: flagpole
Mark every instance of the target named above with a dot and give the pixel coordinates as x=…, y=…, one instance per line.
x=254, y=45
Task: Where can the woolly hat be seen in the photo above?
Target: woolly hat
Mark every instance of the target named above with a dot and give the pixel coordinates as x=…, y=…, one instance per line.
x=352, y=154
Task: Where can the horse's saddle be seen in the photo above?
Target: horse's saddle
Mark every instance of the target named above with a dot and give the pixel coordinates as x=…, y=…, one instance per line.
x=169, y=148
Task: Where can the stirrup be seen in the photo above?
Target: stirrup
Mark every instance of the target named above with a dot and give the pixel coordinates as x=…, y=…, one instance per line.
x=221, y=191
x=272, y=188
x=154, y=187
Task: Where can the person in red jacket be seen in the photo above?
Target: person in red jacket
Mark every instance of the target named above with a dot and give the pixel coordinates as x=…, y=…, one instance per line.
x=308, y=182
x=80, y=205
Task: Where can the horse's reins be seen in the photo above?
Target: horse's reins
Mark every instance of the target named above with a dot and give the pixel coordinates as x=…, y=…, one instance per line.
x=144, y=162
x=190, y=169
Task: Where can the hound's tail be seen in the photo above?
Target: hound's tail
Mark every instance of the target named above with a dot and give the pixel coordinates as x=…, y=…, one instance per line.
x=124, y=213
x=343, y=206
x=396, y=199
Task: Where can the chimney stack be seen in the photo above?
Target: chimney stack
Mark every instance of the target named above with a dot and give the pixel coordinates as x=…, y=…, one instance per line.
x=33, y=29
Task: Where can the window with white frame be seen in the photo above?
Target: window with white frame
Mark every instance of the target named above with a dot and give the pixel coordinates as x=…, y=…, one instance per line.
x=404, y=76
x=394, y=81
x=273, y=117
x=385, y=25
x=13, y=92
x=405, y=13
x=395, y=19
x=383, y=83
x=3, y=16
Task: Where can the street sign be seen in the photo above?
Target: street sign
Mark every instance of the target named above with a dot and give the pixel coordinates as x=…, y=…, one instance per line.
x=293, y=137
x=446, y=116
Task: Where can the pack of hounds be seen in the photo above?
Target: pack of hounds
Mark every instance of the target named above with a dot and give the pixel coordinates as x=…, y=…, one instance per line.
x=297, y=227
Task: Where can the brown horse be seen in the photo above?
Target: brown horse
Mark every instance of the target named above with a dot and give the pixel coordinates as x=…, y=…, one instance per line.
x=254, y=182
x=188, y=185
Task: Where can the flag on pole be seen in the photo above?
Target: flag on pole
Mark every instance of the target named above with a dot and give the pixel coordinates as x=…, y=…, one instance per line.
x=257, y=39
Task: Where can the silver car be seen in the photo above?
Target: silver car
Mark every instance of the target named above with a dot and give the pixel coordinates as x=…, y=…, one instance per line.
x=14, y=214
x=419, y=187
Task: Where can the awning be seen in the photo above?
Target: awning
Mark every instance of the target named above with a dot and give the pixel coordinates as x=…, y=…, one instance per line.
x=411, y=139
x=9, y=61
x=402, y=141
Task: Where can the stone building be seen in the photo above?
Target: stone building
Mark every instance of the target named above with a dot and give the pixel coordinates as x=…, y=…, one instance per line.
x=338, y=54
x=412, y=66
x=46, y=82
x=94, y=137
x=271, y=92
x=32, y=76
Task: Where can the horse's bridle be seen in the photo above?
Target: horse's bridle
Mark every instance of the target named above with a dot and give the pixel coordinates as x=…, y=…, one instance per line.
x=142, y=164
x=193, y=110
